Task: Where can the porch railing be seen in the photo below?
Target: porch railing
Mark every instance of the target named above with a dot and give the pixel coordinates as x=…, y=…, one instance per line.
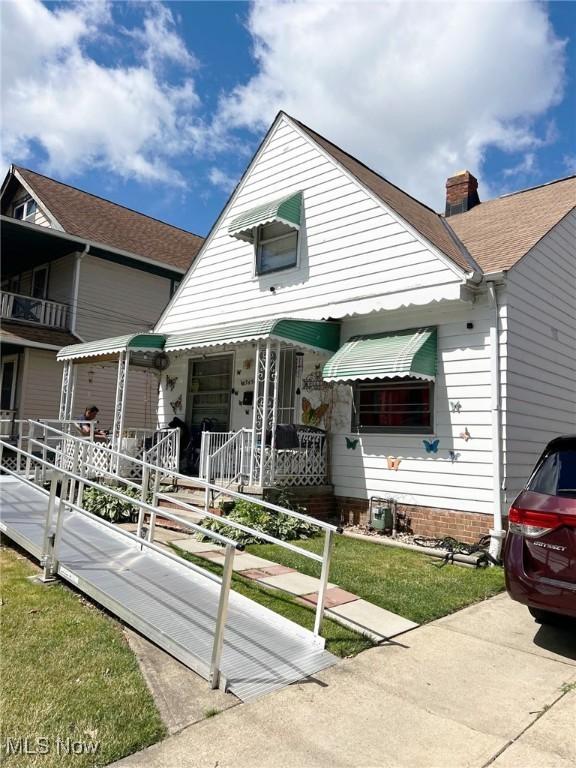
x=230, y=464
x=16, y=306
x=225, y=459
x=209, y=444
x=305, y=465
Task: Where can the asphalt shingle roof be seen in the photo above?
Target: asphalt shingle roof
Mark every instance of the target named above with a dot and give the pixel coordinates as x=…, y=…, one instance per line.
x=499, y=232
x=93, y=218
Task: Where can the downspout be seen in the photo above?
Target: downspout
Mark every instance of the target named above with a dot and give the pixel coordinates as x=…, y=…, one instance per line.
x=76, y=289
x=496, y=532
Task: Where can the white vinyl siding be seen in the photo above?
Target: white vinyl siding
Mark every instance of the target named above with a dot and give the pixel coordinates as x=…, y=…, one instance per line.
x=539, y=376
x=114, y=299
x=351, y=248
x=42, y=380
x=427, y=479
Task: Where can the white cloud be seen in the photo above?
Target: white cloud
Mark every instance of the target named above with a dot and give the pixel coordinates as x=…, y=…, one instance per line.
x=416, y=90
x=126, y=119
x=222, y=180
x=526, y=165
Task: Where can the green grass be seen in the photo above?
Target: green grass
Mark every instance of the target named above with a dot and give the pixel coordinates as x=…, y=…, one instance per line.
x=66, y=673
x=408, y=583
x=340, y=640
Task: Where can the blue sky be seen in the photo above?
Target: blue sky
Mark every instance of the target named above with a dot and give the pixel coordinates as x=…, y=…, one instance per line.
x=159, y=106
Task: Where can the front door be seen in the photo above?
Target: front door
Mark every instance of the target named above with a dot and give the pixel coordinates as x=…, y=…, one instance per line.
x=209, y=392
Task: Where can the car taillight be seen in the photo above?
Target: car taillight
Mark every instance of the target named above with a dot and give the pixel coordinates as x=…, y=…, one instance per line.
x=533, y=523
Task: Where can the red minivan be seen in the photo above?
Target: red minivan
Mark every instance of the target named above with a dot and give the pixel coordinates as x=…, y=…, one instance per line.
x=540, y=550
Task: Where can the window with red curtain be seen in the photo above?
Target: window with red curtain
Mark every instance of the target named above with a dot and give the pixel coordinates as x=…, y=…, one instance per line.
x=393, y=405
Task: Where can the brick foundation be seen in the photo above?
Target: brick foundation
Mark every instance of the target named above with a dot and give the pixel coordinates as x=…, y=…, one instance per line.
x=425, y=521
x=319, y=502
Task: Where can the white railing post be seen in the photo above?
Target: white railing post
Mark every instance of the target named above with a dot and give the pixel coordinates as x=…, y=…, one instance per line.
x=47, y=558
x=326, y=556
x=154, y=503
x=64, y=487
x=221, y=616
x=255, y=398
x=143, y=497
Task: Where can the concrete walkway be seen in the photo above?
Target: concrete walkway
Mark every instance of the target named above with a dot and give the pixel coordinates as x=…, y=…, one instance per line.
x=485, y=686
x=341, y=606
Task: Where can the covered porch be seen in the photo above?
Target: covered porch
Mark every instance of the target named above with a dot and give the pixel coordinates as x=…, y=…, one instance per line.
x=247, y=400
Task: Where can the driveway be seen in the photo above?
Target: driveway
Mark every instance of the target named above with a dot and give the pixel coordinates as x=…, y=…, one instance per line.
x=485, y=686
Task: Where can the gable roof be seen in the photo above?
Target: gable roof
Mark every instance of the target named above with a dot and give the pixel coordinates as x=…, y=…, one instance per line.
x=426, y=221
x=499, y=232
x=90, y=217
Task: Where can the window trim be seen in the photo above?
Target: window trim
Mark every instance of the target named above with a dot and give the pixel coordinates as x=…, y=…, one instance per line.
x=24, y=204
x=258, y=240
x=402, y=430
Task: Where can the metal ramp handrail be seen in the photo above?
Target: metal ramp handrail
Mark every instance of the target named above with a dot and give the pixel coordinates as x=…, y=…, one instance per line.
x=148, y=470
x=71, y=486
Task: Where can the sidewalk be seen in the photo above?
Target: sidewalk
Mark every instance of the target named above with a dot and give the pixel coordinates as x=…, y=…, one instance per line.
x=344, y=607
x=484, y=686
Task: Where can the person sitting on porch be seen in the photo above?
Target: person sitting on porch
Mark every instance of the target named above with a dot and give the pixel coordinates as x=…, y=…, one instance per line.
x=90, y=414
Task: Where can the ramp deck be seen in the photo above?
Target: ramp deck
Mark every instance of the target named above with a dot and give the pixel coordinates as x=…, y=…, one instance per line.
x=166, y=601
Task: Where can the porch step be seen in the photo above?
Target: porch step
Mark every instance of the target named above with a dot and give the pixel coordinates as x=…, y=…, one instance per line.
x=165, y=522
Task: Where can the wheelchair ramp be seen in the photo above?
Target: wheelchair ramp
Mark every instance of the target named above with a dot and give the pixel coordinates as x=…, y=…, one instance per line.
x=166, y=601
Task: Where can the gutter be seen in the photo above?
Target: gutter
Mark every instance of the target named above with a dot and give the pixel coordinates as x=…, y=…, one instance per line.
x=76, y=288
x=496, y=532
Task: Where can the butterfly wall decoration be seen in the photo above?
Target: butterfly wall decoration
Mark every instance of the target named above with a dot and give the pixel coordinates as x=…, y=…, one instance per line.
x=453, y=456
x=176, y=405
x=431, y=445
x=465, y=435
x=171, y=382
x=312, y=417
x=351, y=443
x=393, y=463
x=455, y=407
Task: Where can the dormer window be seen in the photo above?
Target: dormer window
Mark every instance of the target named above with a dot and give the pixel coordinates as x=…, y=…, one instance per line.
x=273, y=229
x=276, y=248
x=25, y=209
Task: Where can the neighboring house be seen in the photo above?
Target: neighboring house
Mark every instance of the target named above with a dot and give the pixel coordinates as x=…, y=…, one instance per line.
x=76, y=267
x=436, y=351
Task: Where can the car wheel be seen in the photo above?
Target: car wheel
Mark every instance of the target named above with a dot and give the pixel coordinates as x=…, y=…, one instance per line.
x=546, y=617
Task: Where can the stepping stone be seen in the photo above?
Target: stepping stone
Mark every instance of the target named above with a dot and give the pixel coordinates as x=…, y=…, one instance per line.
x=244, y=561
x=371, y=620
x=196, y=547
x=333, y=597
x=294, y=582
x=262, y=573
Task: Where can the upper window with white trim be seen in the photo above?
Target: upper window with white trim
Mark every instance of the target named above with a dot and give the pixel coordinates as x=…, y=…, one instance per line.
x=25, y=209
x=276, y=248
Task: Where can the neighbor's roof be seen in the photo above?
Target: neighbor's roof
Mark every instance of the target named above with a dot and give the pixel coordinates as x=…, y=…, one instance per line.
x=23, y=334
x=93, y=218
x=426, y=221
x=499, y=232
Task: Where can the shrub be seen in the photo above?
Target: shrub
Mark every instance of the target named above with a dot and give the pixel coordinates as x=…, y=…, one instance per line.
x=252, y=515
x=109, y=507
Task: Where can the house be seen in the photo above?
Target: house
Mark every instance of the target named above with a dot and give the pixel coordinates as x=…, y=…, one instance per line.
x=75, y=268
x=422, y=357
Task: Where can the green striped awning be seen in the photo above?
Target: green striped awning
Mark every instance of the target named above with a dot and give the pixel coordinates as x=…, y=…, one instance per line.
x=385, y=356
x=287, y=210
x=101, y=347
x=312, y=334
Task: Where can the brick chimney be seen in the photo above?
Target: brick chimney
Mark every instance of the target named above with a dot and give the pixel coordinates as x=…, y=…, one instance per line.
x=461, y=193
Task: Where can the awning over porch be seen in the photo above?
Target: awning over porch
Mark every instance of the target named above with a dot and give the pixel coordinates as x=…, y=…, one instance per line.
x=320, y=335
x=286, y=210
x=410, y=353
x=114, y=345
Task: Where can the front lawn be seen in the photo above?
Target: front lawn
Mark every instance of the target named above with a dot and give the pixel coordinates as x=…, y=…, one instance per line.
x=410, y=584
x=68, y=677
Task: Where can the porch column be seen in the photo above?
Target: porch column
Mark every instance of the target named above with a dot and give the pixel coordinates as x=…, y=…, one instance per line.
x=255, y=405
x=67, y=391
x=120, y=403
x=273, y=417
x=64, y=390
